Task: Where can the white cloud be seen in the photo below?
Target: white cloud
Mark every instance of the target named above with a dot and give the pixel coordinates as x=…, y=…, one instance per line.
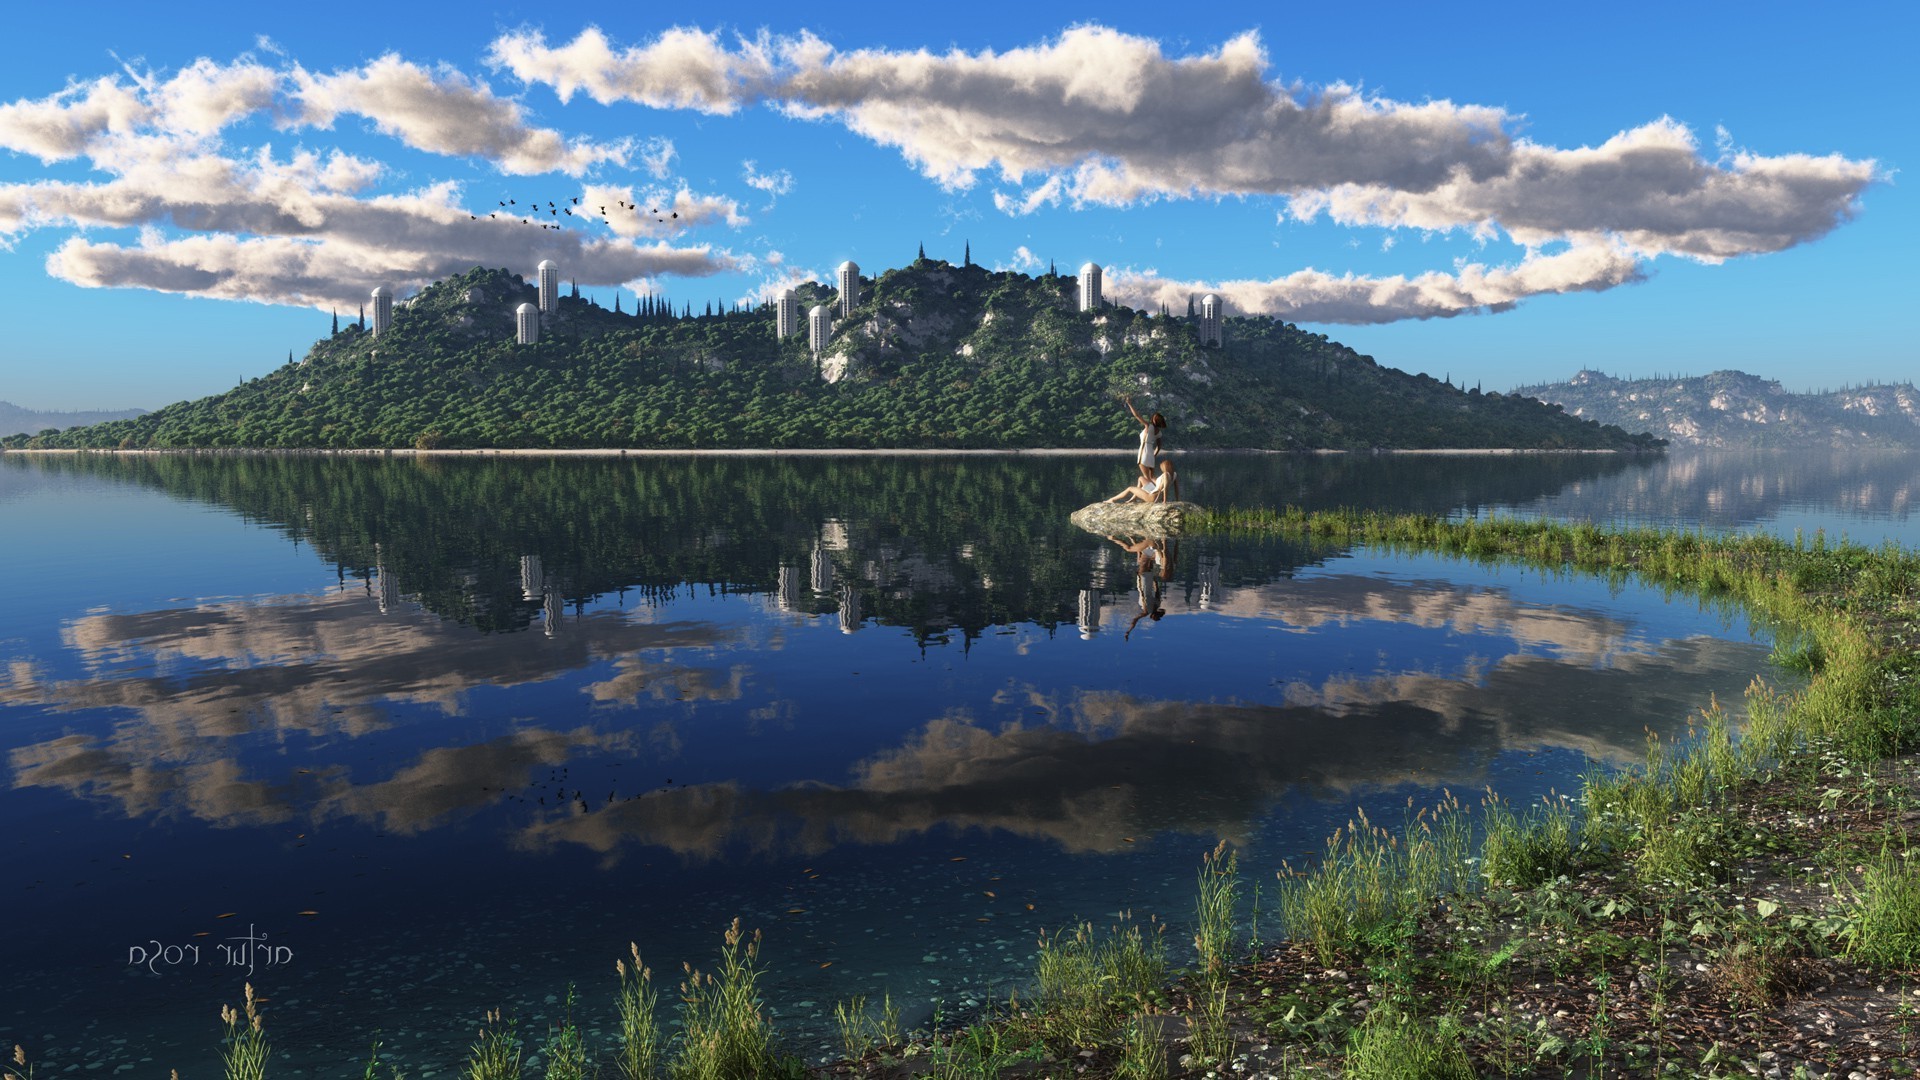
x=775, y=183
x=61, y=126
x=680, y=69
x=1022, y=260
x=656, y=156
x=446, y=113
x=1315, y=296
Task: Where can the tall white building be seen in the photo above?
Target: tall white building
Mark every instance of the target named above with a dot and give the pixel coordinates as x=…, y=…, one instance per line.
x=526, y=324
x=849, y=287
x=1212, y=312
x=787, y=314
x=382, y=310
x=549, y=276
x=1090, y=287
x=819, y=328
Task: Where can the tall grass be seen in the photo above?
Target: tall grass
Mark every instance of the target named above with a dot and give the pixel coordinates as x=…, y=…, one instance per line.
x=244, y=1055
x=1392, y=1045
x=1218, y=894
x=724, y=1035
x=1087, y=982
x=1528, y=849
x=638, y=1057
x=1884, y=914
x=1369, y=879
x=496, y=1052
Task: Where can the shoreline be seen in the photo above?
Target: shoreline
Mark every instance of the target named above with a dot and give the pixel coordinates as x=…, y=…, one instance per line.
x=1045, y=451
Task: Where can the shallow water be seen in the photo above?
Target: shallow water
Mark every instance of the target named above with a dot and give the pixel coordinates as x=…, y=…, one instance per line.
x=442, y=736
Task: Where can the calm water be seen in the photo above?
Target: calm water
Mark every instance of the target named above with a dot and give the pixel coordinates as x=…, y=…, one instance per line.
x=447, y=735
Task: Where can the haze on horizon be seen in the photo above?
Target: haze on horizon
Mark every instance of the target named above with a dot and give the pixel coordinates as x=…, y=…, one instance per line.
x=180, y=206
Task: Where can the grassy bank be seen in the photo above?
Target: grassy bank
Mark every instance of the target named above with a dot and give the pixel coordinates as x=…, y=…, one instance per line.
x=1743, y=903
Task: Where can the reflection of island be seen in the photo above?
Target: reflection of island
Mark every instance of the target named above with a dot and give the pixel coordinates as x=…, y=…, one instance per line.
x=948, y=548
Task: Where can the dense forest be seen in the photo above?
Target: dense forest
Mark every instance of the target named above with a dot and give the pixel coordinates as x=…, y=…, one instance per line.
x=934, y=355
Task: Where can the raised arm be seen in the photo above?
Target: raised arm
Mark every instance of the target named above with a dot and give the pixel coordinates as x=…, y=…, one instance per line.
x=1128, y=401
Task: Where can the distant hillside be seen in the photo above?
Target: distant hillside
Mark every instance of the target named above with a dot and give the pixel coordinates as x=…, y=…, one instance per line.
x=934, y=355
x=15, y=420
x=1734, y=409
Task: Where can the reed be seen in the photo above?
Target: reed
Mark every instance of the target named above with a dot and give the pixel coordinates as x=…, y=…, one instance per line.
x=496, y=1053
x=1529, y=849
x=1218, y=894
x=1393, y=1045
x=638, y=1056
x=724, y=1035
x=1883, y=924
x=1086, y=982
x=1143, y=1056
x=245, y=1050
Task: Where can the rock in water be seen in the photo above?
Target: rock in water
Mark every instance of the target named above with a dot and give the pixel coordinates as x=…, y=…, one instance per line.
x=1134, y=518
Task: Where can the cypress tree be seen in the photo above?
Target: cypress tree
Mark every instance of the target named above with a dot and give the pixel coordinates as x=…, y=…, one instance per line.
x=966, y=255
x=616, y=303
x=1189, y=305
x=363, y=316
x=923, y=253
x=336, y=322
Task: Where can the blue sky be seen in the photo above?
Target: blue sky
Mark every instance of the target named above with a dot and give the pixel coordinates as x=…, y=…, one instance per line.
x=1500, y=194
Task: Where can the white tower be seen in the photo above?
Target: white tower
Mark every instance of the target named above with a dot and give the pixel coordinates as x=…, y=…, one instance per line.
x=1211, y=313
x=787, y=314
x=819, y=328
x=382, y=310
x=1090, y=287
x=549, y=274
x=527, y=324
x=533, y=577
x=849, y=287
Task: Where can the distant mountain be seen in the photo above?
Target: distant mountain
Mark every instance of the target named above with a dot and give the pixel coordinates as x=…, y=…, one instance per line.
x=1735, y=409
x=933, y=355
x=15, y=420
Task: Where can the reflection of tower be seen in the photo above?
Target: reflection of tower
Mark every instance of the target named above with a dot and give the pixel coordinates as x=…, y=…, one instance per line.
x=849, y=273
x=849, y=609
x=1210, y=314
x=526, y=325
x=1090, y=601
x=533, y=577
x=822, y=571
x=787, y=314
x=385, y=589
x=1090, y=287
x=382, y=310
x=551, y=608
x=1208, y=567
x=787, y=596
x=549, y=275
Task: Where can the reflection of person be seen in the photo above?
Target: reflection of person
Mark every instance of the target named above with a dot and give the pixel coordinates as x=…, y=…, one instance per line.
x=1155, y=489
x=1150, y=432
x=1154, y=564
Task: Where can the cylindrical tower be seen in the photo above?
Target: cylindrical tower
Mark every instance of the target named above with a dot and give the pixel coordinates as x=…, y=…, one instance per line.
x=1090, y=287
x=549, y=278
x=382, y=310
x=1211, y=313
x=787, y=314
x=819, y=328
x=526, y=324
x=849, y=274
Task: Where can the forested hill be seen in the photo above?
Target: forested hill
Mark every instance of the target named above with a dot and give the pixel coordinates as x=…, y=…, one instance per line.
x=1732, y=409
x=935, y=355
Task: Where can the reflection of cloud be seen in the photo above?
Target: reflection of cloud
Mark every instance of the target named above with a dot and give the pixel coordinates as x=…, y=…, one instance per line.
x=1124, y=768
x=198, y=678
x=1572, y=635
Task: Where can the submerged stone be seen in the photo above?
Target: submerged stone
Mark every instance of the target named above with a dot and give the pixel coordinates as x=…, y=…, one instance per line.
x=1149, y=519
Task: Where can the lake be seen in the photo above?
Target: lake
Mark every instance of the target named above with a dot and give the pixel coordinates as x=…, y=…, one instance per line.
x=402, y=740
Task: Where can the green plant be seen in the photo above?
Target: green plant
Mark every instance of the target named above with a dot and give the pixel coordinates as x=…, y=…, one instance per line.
x=246, y=1050
x=495, y=1054
x=1219, y=890
x=1883, y=927
x=850, y=1020
x=1207, y=1031
x=724, y=1035
x=1392, y=1045
x=1143, y=1056
x=565, y=1051
x=1530, y=849
x=638, y=1057
x=19, y=1070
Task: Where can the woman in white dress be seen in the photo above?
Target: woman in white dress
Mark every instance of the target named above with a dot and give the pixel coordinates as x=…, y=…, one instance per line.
x=1151, y=428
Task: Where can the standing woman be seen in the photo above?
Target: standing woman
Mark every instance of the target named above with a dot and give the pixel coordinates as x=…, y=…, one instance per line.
x=1150, y=431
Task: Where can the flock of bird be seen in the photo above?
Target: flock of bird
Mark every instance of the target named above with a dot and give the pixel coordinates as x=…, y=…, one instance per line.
x=512, y=209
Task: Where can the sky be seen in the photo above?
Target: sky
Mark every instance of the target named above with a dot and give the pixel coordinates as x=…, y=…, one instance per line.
x=1499, y=194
